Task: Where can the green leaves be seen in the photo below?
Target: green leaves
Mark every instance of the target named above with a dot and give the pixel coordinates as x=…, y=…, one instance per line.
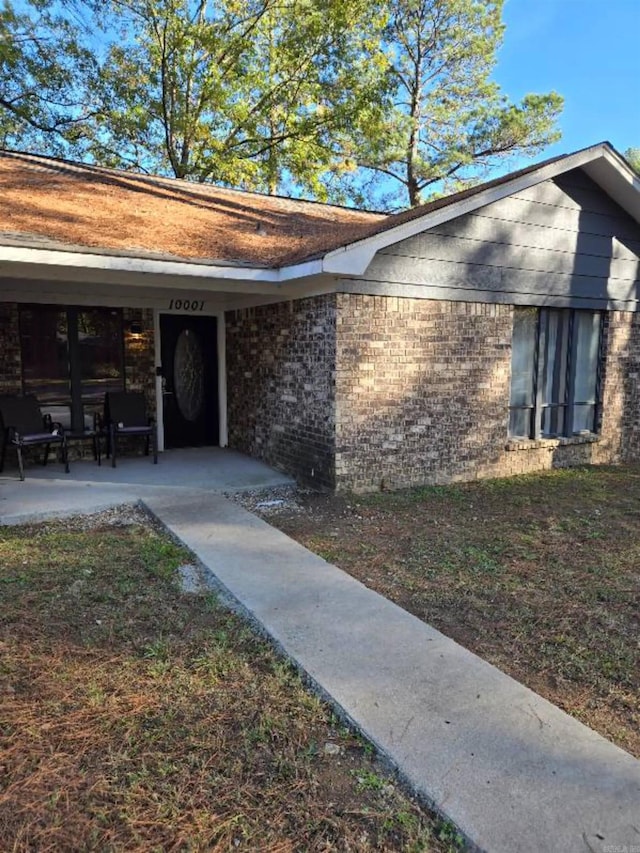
x=633, y=157
x=259, y=94
x=363, y=101
x=448, y=120
x=41, y=59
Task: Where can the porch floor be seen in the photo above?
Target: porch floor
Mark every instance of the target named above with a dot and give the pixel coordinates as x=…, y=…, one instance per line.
x=89, y=487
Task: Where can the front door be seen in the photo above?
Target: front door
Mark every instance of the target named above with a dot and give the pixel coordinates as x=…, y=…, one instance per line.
x=188, y=347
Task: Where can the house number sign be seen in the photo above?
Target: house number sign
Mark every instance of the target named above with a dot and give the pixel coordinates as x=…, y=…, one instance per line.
x=186, y=305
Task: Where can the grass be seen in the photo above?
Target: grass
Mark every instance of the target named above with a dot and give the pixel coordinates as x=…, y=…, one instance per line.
x=539, y=575
x=135, y=718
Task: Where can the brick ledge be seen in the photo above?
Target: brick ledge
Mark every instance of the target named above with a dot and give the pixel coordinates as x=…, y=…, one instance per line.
x=550, y=443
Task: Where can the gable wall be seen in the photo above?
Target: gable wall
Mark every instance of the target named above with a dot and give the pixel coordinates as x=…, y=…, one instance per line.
x=563, y=241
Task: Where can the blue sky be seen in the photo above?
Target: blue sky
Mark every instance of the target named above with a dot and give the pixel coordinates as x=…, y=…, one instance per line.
x=589, y=52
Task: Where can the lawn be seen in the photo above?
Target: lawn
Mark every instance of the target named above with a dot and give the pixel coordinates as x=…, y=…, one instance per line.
x=136, y=718
x=540, y=575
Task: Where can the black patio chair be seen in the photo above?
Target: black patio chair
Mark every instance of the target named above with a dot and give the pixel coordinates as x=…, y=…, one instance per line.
x=24, y=425
x=125, y=415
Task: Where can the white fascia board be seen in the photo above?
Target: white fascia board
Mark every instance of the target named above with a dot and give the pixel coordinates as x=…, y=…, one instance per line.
x=356, y=257
x=618, y=180
x=303, y=270
x=622, y=167
x=115, y=263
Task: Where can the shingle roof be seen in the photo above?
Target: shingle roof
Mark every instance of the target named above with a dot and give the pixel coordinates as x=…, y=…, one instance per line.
x=79, y=207
x=53, y=203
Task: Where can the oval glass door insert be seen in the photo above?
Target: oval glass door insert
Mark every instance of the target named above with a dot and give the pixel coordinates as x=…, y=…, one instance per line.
x=188, y=375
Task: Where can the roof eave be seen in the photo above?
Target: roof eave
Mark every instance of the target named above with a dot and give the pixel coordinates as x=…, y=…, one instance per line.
x=601, y=162
x=615, y=176
x=17, y=255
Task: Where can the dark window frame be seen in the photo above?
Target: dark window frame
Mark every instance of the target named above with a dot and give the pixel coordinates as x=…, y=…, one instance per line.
x=567, y=404
x=74, y=365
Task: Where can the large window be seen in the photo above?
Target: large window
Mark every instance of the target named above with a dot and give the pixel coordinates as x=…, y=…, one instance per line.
x=71, y=356
x=100, y=353
x=555, y=372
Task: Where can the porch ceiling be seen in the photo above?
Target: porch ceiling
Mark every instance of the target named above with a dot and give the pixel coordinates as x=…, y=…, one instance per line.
x=146, y=294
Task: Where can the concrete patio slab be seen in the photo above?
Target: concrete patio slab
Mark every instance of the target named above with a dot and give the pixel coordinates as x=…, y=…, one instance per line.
x=48, y=491
x=215, y=469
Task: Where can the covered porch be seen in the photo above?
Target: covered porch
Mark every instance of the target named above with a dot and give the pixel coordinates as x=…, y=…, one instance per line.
x=71, y=335
x=213, y=304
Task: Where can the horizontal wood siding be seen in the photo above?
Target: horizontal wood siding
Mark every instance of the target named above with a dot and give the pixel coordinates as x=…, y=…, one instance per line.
x=563, y=242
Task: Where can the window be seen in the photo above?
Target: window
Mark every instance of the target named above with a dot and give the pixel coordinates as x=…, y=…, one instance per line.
x=555, y=372
x=100, y=353
x=44, y=342
x=71, y=356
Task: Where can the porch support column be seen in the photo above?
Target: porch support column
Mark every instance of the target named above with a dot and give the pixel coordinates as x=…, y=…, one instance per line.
x=75, y=370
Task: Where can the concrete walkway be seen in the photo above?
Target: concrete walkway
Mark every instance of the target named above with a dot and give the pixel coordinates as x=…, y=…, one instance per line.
x=512, y=771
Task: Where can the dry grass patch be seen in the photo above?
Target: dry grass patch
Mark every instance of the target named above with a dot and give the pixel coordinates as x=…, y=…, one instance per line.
x=136, y=718
x=539, y=575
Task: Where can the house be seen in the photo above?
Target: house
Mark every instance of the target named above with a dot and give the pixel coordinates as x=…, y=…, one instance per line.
x=488, y=333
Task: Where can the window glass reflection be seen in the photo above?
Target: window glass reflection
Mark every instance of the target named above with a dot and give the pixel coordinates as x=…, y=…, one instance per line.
x=44, y=345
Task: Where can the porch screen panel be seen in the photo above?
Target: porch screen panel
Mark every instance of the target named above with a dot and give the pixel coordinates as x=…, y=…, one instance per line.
x=101, y=354
x=44, y=346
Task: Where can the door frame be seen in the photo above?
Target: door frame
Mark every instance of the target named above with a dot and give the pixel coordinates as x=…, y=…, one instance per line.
x=222, y=370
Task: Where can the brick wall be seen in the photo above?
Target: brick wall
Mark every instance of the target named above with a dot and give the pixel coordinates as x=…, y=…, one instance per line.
x=280, y=386
x=422, y=395
x=621, y=390
x=422, y=390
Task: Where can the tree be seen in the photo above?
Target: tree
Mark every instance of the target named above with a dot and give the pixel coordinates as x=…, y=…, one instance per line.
x=42, y=61
x=448, y=121
x=341, y=99
x=633, y=157
x=253, y=93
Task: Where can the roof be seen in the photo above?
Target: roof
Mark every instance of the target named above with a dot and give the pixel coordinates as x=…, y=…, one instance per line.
x=50, y=203
x=47, y=203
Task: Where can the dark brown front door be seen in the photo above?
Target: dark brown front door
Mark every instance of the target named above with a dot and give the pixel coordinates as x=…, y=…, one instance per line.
x=188, y=347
